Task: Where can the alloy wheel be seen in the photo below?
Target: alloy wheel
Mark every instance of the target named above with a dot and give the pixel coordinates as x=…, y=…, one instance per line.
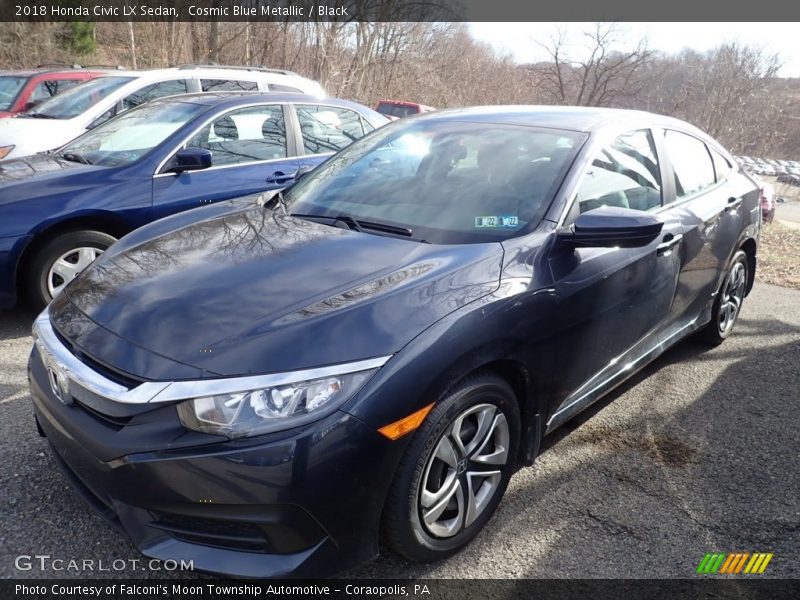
x=464, y=471
x=732, y=298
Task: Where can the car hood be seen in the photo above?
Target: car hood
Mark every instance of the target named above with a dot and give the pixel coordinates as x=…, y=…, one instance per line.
x=38, y=165
x=52, y=132
x=257, y=291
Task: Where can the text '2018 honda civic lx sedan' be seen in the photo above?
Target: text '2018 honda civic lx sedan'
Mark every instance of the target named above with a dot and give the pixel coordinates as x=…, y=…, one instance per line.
x=264, y=386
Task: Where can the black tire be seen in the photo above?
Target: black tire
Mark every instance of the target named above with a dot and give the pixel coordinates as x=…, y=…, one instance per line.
x=403, y=525
x=719, y=328
x=42, y=261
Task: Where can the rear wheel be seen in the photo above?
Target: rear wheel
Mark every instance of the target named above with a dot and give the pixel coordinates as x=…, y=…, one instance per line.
x=60, y=260
x=728, y=303
x=455, y=470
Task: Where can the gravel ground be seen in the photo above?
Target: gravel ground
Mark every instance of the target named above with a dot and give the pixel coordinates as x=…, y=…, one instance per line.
x=698, y=453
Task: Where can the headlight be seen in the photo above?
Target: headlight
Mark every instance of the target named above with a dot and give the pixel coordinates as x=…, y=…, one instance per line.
x=254, y=412
x=5, y=151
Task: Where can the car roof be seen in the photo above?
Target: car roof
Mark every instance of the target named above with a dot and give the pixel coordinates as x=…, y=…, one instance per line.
x=212, y=71
x=405, y=103
x=573, y=118
x=50, y=70
x=232, y=99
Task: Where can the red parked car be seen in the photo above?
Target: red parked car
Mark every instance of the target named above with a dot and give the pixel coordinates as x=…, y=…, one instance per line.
x=766, y=199
x=22, y=90
x=397, y=109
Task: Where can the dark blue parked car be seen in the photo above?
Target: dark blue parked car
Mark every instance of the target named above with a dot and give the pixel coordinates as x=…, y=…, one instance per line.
x=59, y=210
x=262, y=389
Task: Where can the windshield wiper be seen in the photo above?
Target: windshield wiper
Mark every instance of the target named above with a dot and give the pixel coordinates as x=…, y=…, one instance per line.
x=385, y=227
x=38, y=116
x=75, y=157
x=360, y=225
x=351, y=222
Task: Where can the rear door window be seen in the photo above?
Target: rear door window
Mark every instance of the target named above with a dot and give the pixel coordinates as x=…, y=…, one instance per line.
x=328, y=128
x=691, y=163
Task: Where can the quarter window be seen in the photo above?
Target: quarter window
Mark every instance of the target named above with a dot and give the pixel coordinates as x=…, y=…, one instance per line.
x=277, y=87
x=624, y=174
x=154, y=91
x=245, y=135
x=721, y=165
x=328, y=128
x=227, y=85
x=691, y=163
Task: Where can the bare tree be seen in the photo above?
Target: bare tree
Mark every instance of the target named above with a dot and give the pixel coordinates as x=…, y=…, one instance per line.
x=596, y=73
x=718, y=89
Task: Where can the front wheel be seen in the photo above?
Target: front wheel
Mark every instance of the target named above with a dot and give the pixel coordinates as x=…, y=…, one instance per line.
x=455, y=470
x=728, y=303
x=60, y=260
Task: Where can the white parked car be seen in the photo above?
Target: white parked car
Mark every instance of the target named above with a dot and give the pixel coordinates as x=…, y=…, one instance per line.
x=61, y=119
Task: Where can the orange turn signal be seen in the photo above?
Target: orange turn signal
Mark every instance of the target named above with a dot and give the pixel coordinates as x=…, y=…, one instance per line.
x=407, y=424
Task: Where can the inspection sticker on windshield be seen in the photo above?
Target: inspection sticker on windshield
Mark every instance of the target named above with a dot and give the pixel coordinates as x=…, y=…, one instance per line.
x=496, y=221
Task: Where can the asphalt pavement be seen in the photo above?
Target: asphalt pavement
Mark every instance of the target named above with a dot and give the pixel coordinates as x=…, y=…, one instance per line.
x=698, y=453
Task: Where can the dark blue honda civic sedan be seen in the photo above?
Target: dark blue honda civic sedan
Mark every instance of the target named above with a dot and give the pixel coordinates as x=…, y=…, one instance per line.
x=59, y=211
x=263, y=387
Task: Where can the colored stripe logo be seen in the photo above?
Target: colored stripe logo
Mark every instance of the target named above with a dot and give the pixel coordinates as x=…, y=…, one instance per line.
x=734, y=563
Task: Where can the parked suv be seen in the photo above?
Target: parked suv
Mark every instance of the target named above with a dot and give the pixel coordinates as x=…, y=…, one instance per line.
x=59, y=120
x=21, y=90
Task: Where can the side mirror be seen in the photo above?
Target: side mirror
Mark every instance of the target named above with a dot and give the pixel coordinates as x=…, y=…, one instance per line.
x=610, y=227
x=189, y=159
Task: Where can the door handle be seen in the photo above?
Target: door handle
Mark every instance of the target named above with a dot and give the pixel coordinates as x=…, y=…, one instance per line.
x=280, y=177
x=669, y=242
x=733, y=203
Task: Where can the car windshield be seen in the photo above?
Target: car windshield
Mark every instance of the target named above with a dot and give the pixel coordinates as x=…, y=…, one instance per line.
x=79, y=99
x=442, y=181
x=130, y=136
x=9, y=88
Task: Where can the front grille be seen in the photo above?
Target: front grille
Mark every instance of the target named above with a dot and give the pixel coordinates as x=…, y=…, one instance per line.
x=213, y=532
x=105, y=371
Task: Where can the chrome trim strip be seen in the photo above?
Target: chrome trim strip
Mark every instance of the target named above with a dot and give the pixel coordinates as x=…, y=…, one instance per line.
x=219, y=167
x=53, y=351
x=628, y=369
x=185, y=390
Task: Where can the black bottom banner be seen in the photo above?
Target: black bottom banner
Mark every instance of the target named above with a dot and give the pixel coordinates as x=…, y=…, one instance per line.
x=434, y=589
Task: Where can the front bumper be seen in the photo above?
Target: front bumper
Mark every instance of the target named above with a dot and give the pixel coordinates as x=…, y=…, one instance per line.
x=305, y=502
